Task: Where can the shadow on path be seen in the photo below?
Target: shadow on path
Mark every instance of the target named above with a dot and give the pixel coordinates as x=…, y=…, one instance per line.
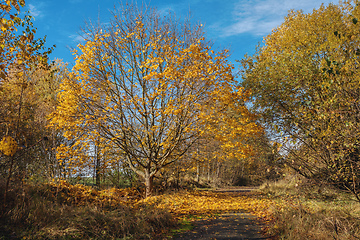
x=225, y=226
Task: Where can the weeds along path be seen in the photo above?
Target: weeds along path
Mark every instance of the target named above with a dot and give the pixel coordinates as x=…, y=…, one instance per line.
x=217, y=214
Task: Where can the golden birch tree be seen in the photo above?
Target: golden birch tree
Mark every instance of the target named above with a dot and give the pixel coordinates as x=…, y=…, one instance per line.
x=151, y=86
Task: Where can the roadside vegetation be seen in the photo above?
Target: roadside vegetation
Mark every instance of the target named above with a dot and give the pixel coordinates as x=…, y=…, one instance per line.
x=64, y=211
x=307, y=210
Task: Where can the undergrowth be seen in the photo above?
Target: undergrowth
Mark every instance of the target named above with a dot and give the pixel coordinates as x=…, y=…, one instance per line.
x=305, y=210
x=67, y=211
x=293, y=209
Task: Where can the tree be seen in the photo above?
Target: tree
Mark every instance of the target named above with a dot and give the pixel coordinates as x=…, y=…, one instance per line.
x=18, y=49
x=8, y=22
x=21, y=55
x=152, y=86
x=305, y=84
x=210, y=160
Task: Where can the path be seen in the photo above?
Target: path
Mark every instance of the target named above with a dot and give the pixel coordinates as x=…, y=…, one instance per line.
x=238, y=226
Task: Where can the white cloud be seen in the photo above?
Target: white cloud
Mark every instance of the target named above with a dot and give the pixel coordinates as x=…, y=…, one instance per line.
x=76, y=38
x=259, y=17
x=167, y=9
x=34, y=11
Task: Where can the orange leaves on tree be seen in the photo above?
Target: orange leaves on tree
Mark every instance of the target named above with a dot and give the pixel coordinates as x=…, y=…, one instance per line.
x=150, y=90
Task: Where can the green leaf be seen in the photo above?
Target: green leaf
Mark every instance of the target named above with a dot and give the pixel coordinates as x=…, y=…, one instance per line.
x=354, y=20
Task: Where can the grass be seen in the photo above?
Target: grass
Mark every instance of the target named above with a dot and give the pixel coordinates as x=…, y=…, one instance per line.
x=184, y=225
x=304, y=210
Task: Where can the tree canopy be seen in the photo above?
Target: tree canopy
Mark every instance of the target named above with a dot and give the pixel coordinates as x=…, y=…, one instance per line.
x=305, y=83
x=148, y=87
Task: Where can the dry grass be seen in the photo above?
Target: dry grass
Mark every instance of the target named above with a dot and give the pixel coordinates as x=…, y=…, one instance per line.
x=308, y=211
x=37, y=213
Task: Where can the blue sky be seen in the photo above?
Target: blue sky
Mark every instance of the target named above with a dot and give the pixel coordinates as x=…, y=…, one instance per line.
x=238, y=25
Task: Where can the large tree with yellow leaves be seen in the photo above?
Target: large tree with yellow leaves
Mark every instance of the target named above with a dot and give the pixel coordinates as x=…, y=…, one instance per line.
x=149, y=86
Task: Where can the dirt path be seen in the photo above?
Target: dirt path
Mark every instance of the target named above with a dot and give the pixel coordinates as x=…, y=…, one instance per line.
x=226, y=226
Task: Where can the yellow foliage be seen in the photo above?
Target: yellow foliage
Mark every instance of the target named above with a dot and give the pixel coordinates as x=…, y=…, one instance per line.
x=81, y=195
x=180, y=204
x=151, y=94
x=8, y=146
x=207, y=202
x=304, y=81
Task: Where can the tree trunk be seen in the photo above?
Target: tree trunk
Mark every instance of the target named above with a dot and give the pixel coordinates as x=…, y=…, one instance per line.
x=209, y=171
x=118, y=173
x=8, y=179
x=197, y=165
x=148, y=184
x=217, y=172
x=218, y=165
x=97, y=173
x=98, y=163
x=197, y=172
x=97, y=170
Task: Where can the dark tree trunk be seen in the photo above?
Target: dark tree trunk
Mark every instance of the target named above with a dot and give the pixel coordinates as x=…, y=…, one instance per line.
x=209, y=171
x=97, y=166
x=97, y=174
x=197, y=172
